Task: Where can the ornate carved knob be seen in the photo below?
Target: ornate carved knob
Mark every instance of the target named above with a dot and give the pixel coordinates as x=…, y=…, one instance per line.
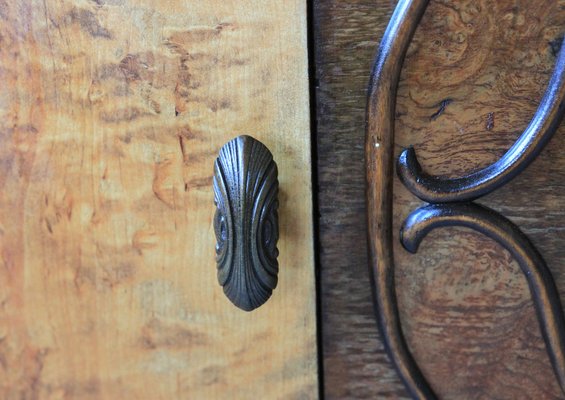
x=246, y=221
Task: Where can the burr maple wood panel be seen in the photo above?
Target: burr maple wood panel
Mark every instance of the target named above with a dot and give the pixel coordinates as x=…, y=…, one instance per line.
x=111, y=116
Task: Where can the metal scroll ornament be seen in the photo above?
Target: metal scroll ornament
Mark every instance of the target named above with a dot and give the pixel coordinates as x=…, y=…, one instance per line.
x=246, y=221
x=450, y=201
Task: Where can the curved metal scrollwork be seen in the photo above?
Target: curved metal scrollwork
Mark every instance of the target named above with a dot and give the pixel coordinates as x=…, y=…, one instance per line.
x=246, y=221
x=543, y=125
x=379, y=149
x=490, y=223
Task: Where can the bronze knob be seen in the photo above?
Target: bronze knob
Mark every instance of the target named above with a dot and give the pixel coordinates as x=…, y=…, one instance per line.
x=246, y=221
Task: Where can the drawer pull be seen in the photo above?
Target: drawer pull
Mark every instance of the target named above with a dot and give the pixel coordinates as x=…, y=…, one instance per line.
x=246, y=221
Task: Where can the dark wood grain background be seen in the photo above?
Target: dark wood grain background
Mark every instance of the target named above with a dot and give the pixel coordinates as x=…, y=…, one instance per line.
x=472, y=79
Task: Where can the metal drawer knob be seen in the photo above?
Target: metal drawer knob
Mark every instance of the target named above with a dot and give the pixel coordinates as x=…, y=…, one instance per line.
x=246, y=221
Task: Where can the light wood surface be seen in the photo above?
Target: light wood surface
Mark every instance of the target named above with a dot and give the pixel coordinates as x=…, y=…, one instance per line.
x=111, y=115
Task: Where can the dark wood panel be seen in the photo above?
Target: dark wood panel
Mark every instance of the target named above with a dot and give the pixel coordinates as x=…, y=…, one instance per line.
x=472, y=80
x=346, y=37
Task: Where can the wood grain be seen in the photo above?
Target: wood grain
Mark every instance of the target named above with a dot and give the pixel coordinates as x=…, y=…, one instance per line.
x=346, y=38
x=473, y=77
x=476, y=334
x=112, y=113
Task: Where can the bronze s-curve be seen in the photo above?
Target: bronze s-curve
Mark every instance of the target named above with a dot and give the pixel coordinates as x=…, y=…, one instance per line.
x=492, y=224
x=379, y=151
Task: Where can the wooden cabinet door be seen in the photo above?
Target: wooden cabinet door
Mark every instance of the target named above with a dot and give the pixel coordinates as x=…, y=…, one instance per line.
x=472, y=79
x=112, y=113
